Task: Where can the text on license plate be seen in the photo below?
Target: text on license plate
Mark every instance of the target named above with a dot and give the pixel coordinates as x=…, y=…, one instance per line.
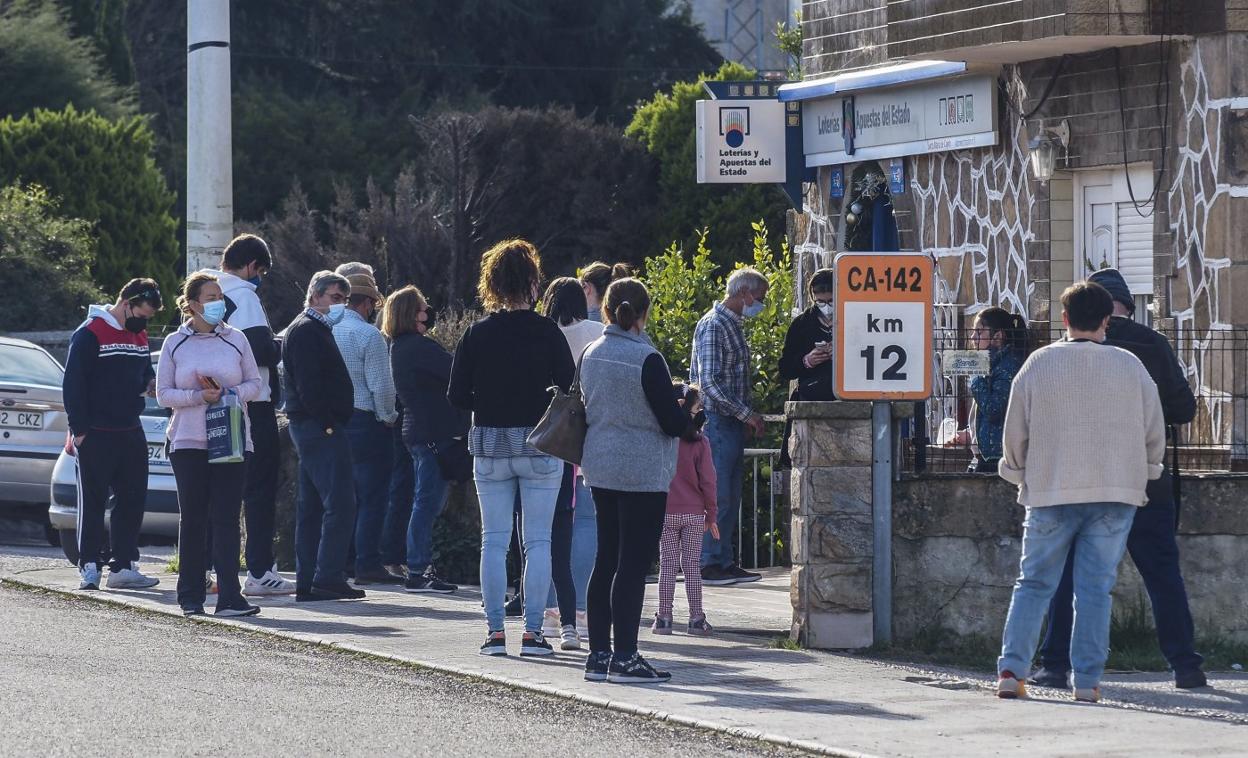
x=156, y=453
x=21, y=419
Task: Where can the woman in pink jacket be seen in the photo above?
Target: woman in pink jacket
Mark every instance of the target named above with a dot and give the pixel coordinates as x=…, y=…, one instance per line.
x=199, y=364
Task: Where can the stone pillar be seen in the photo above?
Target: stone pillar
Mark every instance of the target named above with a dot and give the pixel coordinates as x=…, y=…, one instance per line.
x=832, y=531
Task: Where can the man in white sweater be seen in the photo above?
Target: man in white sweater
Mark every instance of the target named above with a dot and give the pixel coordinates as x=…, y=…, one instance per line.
x=1083, y=436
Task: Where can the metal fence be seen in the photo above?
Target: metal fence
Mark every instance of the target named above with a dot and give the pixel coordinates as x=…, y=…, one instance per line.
x=1215, y=361
x=763, y=515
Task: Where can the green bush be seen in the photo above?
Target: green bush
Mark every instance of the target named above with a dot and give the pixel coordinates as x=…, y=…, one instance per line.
x=103, y=172
x=44, y=261
x=683, y=289
x=43, y=65
x=667, y=126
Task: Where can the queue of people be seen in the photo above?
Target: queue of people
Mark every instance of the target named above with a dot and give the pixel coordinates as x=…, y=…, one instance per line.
x=384, y=420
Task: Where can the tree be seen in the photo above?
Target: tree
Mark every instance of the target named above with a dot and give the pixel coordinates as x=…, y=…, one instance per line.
x=577, y=189
x=44, y=260
x=103, y=21
x=667, y=126
x=43, y=66
x=103, y=172
x=323, y=88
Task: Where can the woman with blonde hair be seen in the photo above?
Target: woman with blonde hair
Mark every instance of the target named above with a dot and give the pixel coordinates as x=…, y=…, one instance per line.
x=422, y=370
x=503, y=367
x=203, y=362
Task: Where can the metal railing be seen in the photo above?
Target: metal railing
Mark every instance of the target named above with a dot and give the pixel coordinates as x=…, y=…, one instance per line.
x=763, y=513
x=1214, y=360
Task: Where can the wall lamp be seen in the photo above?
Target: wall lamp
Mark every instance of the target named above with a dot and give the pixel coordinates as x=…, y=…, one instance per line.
x=1042, y=149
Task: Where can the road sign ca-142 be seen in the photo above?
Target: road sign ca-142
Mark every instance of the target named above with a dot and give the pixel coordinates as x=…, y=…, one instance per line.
x=884, y=326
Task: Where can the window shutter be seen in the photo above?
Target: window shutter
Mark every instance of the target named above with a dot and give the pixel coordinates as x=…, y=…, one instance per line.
x=1135, y=248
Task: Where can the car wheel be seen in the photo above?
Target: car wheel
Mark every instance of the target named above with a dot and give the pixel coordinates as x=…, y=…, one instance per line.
x=69, y=544
x=52, y=535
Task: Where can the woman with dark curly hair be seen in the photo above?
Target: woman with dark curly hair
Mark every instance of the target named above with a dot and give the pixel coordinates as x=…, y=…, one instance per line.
x=504, y=365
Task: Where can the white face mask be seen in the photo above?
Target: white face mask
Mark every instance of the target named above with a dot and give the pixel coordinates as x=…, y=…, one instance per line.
x=825, y=309
x=335, y=313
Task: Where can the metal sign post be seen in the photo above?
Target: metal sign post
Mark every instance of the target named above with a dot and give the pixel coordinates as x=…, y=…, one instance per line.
x=884, y=353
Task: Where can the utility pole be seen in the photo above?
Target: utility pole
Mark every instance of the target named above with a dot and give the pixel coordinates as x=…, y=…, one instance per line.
x=209, y=154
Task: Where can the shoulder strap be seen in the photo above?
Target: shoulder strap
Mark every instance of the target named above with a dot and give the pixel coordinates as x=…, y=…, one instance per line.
x=575, y=389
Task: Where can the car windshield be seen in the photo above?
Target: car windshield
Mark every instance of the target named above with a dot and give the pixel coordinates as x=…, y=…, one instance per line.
x=28, y=365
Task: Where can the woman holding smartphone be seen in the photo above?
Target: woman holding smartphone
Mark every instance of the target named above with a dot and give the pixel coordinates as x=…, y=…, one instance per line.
x=199, y=364
x=807, y=356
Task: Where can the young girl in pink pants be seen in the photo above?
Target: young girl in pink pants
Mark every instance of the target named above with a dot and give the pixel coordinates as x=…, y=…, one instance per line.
x=690, y=512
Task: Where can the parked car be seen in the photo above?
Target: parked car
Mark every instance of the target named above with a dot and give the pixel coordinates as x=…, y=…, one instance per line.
x=32, y=422
x=160, y=516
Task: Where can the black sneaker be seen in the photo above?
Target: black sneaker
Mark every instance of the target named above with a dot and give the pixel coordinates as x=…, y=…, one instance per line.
x=635, y=670
x=380, y=576
x=239, y=607
x=596, y=666
x=338, y=591
x=741, y=576
x=192, y=610
x=514, y=607
x=1190, y=679
x=715, y=576
x=534, y=643
x=495, y=644
x=1047, y=677
x=428, y=583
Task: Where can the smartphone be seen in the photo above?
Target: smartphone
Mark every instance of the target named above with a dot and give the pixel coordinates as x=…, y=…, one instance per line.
x=213, y=383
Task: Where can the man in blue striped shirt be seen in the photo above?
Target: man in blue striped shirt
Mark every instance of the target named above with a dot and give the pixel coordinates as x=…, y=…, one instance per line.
x=720, y=366
x=367, y=356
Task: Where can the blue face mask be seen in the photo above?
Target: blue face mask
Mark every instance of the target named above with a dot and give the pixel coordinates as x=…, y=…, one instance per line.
x=255, y=280
x=336, y=312
x=753, y=309
x=214, y=312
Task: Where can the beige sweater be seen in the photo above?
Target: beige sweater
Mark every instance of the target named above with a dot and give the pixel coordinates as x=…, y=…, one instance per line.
x=1084, y=425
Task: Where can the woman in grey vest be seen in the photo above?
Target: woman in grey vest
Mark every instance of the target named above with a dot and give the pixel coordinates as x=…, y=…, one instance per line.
x=630, y=457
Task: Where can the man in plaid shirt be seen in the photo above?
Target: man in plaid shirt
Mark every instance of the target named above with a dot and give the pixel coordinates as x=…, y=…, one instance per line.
x=367, y=356
x=720, y=366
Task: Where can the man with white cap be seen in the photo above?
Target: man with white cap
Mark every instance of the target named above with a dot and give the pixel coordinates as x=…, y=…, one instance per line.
x=367, y=356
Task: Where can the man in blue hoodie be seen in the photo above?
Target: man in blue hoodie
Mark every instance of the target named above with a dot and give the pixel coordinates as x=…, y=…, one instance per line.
x=107, y=373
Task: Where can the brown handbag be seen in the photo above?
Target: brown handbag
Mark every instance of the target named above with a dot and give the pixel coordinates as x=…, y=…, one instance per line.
x=561, y=432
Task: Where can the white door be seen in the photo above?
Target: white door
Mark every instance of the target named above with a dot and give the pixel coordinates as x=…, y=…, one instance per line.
x=1113, y=232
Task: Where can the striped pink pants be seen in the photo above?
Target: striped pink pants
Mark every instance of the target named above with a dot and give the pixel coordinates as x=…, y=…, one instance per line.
x=681, y=547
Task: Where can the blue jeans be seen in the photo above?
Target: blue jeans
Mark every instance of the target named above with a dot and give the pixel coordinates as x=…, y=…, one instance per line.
x=584, y=544
x=1155, y=553
x=399, y=512
x=498, y=480
x=727, y=437
x=372, y=455
x=1098, y=534
x=430, y=499
x=325, y=508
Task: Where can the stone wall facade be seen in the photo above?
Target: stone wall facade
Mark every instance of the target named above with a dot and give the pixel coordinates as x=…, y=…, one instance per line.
x=957, y=540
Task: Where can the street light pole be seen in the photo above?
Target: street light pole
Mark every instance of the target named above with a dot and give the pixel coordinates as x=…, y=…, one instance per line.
x=209, y=165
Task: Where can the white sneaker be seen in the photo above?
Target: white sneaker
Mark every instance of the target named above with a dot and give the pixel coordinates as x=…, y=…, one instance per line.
x=90, y=577
x=550, y=622
x=582, y=625
x=569, y=639
x=130, y=579
x=270, y=584
x=210, y=584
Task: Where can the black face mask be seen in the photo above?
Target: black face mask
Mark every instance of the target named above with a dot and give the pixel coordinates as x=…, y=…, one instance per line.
x=699, y=419
x=430, y=318
x=372, y=317
x=135, y=323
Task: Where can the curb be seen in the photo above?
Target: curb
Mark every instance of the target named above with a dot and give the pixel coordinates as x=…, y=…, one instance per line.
x=519, y=684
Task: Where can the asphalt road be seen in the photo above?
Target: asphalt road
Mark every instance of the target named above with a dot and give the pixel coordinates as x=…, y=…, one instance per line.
x=81, y=678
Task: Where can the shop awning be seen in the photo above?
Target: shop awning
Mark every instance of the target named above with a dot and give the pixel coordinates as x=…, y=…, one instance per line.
x=906, y=72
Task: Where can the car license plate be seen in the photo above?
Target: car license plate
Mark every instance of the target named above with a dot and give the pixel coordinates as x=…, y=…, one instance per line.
x=156, y=453
x=10, y=419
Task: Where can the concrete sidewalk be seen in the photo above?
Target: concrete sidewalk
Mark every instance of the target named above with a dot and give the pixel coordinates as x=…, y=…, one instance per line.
x=837, y=704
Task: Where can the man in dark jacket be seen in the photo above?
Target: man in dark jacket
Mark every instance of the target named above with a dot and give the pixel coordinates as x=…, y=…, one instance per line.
x=244, y=264
x=108, y=371
x=319, y=402
x=1152, y=544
